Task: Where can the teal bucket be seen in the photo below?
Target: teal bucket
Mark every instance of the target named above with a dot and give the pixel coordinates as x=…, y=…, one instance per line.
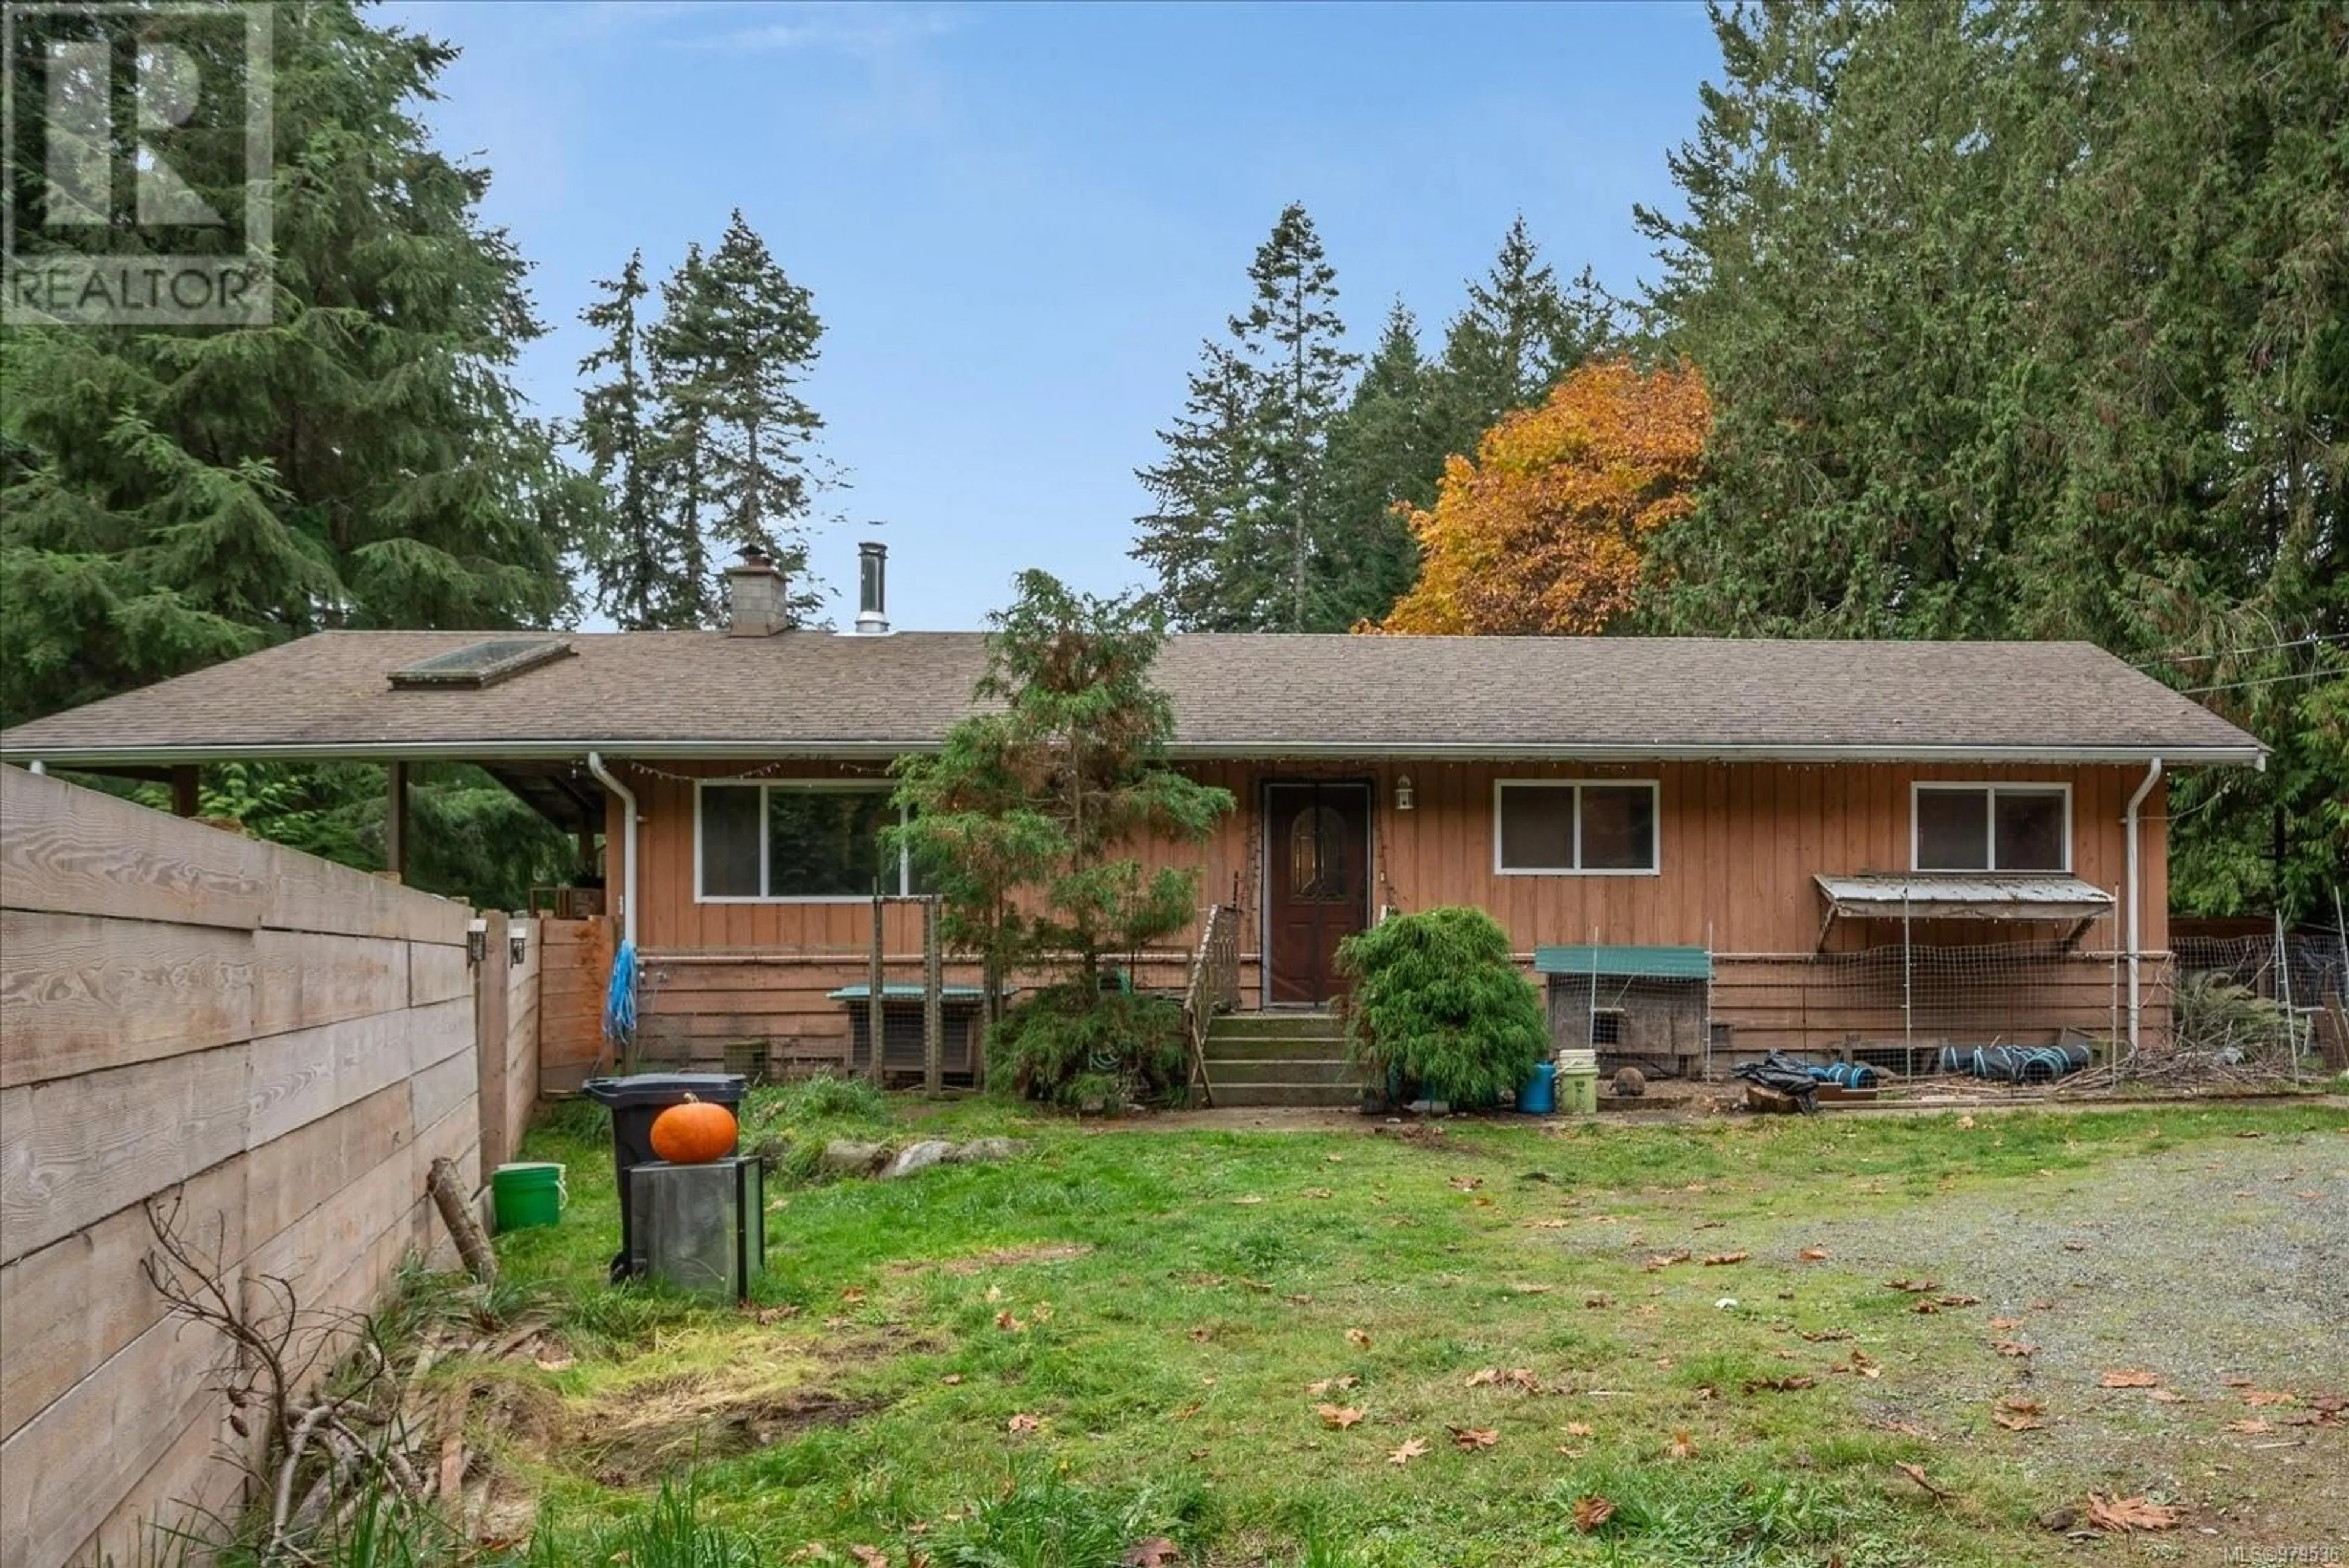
x=1538, y=1097
x=528, y=1193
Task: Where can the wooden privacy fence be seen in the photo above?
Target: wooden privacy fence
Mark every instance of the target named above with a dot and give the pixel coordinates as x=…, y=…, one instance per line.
x=283, y=1043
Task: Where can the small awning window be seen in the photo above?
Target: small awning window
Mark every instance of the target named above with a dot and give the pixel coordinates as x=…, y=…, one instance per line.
x=2008, y=896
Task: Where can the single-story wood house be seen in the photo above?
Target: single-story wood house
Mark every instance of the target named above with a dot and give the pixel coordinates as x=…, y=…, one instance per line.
x=1707, y=846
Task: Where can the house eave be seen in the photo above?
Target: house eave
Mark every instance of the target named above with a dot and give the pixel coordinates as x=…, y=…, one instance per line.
x=98, y=757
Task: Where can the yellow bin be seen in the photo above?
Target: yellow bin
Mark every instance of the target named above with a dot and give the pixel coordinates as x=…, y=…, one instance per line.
x=1577, y=1094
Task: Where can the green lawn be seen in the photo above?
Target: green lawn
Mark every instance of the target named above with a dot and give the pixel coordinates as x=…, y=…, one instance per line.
x=1134, y=1331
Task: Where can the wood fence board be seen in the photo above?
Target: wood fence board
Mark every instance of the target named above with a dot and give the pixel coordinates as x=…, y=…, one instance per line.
x=80, y=1149
x=194, y=1482
x=438, y=973
x=305, y=893
x=78, y=992
x=74, y=851
x=306, y=1074
x=305, y=978
x=288, y=1176
x=56, y=1326
x=64, y=1472
x=433, y=1090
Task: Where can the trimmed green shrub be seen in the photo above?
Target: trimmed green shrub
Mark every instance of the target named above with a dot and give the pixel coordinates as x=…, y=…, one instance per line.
x=1439, y=1007
x=1074, y=1043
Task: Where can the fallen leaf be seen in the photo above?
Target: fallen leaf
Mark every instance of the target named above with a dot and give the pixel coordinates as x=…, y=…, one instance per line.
x=2014, y=1421
x=1682, y=1446
x=1961, y=1301
x=2167, y=1397
x=1719, y=1258
x=1966, y=1122
x=1914, y=1287
x=2124, y=1514
x=1358, y=1339
x=994, y=1294
x=1259, y=1286
x=1010, y=1325
x=1824, y=1334
x=775, y=1313
x=1926, y=1308
x=1780, y=1385
x=1591, y=1513
x=2075, y=1246
x=2014, y=1348
x=2267, y=1397
x=1248, y=1198
x=1202, y=1333
x=1316, y=1192
x=852, y=1293
x=1547, y=1224
x=1666, y=1259
x=2236, y=1382
x=1022, y=1422
x=2129, y=1377
x=2251, y=1425
x=1482, y=1376
x=2007, y=1324
x=1338, y=1417
x=870, y=1556
x=2021, y=1407
x=951, y=1378
x=1412, y=1447
x=1811, y=1254
x=1464, y=1183
x=1155, y=1553
x=557, y=1362
x=1527, y=1289
x=1917, y=1473
x=1578, y=1428
x=1301, y=1299
x=1469, y=1439
x=1600, y=1300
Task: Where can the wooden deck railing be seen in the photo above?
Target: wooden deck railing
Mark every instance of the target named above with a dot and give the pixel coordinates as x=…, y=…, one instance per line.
x=1212, y=985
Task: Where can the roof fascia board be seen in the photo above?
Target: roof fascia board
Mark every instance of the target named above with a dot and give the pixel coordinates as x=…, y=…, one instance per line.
x=491, y=750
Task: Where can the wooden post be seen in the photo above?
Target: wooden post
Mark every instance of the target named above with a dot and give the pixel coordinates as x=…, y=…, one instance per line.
x=395, y=821
x=183, y=791
x=933, y=1027
x=490, y=1022
x=875, y=1010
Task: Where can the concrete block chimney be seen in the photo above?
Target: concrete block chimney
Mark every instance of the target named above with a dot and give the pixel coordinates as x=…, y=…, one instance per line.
x=756, y=602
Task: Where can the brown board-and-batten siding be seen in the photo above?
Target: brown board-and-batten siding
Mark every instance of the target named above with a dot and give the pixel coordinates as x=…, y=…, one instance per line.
x=1739, y=844
x=279, y=1045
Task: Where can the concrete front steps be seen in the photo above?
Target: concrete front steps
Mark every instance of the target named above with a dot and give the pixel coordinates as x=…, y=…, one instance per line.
x=1279, y=1059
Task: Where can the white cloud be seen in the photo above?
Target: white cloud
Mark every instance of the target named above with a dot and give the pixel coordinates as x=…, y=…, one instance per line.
x=865, y=30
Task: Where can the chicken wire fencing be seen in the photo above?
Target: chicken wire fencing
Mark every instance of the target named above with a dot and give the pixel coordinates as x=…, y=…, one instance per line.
x=2235, y=1012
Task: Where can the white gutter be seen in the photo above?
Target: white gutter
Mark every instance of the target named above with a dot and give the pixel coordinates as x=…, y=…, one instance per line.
x=817, y=750
x=629, y=876
x=2135, y=903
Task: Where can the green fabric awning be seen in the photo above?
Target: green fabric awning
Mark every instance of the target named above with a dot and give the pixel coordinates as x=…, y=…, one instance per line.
x=1635, y=963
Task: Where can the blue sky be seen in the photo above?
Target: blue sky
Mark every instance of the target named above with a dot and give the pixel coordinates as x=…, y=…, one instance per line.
x=1018, y=222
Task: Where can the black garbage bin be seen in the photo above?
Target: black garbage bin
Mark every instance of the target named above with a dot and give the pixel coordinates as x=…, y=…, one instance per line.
x=635, y=1102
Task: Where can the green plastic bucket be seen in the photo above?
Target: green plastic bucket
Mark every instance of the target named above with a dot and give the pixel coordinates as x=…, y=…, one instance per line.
x=1577, y=1094
x=529, y=1193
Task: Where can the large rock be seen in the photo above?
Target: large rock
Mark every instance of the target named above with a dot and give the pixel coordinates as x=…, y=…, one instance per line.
x=984, y=1151
x=844, y=1156
x=917, y=1157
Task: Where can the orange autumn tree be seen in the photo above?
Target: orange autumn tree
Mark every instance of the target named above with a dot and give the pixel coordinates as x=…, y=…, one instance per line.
x=1544, y=533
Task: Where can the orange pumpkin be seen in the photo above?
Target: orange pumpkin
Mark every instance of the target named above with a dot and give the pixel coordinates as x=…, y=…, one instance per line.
x=694, y=1132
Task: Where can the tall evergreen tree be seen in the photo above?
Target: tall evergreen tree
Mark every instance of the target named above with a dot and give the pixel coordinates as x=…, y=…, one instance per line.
x=625, y=556
x=1517, y=335
x=1386, y=457
x=1242, y=492
x=732, y=436
x=1291, y=334
x=173, y=496
x=2025, y=320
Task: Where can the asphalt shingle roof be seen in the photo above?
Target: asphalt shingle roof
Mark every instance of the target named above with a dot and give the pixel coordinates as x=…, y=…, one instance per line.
x=677, y=693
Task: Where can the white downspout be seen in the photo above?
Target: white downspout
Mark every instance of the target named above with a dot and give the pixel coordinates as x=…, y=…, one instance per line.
x=628, y=874
x=2135, y=899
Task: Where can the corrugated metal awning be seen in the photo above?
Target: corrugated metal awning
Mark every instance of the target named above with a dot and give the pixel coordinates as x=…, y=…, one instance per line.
x=1635, y=963
x=1944, y=896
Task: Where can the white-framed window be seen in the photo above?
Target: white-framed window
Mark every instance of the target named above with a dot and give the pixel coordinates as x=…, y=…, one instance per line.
x=1991, y=828
x=795, y=841
x=1575, y=827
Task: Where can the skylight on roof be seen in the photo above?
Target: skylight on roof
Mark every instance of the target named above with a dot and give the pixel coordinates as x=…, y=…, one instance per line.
x=479, y=664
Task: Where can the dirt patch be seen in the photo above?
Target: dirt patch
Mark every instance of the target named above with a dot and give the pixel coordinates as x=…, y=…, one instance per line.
x=1011, y=1257
x=645, y=1432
